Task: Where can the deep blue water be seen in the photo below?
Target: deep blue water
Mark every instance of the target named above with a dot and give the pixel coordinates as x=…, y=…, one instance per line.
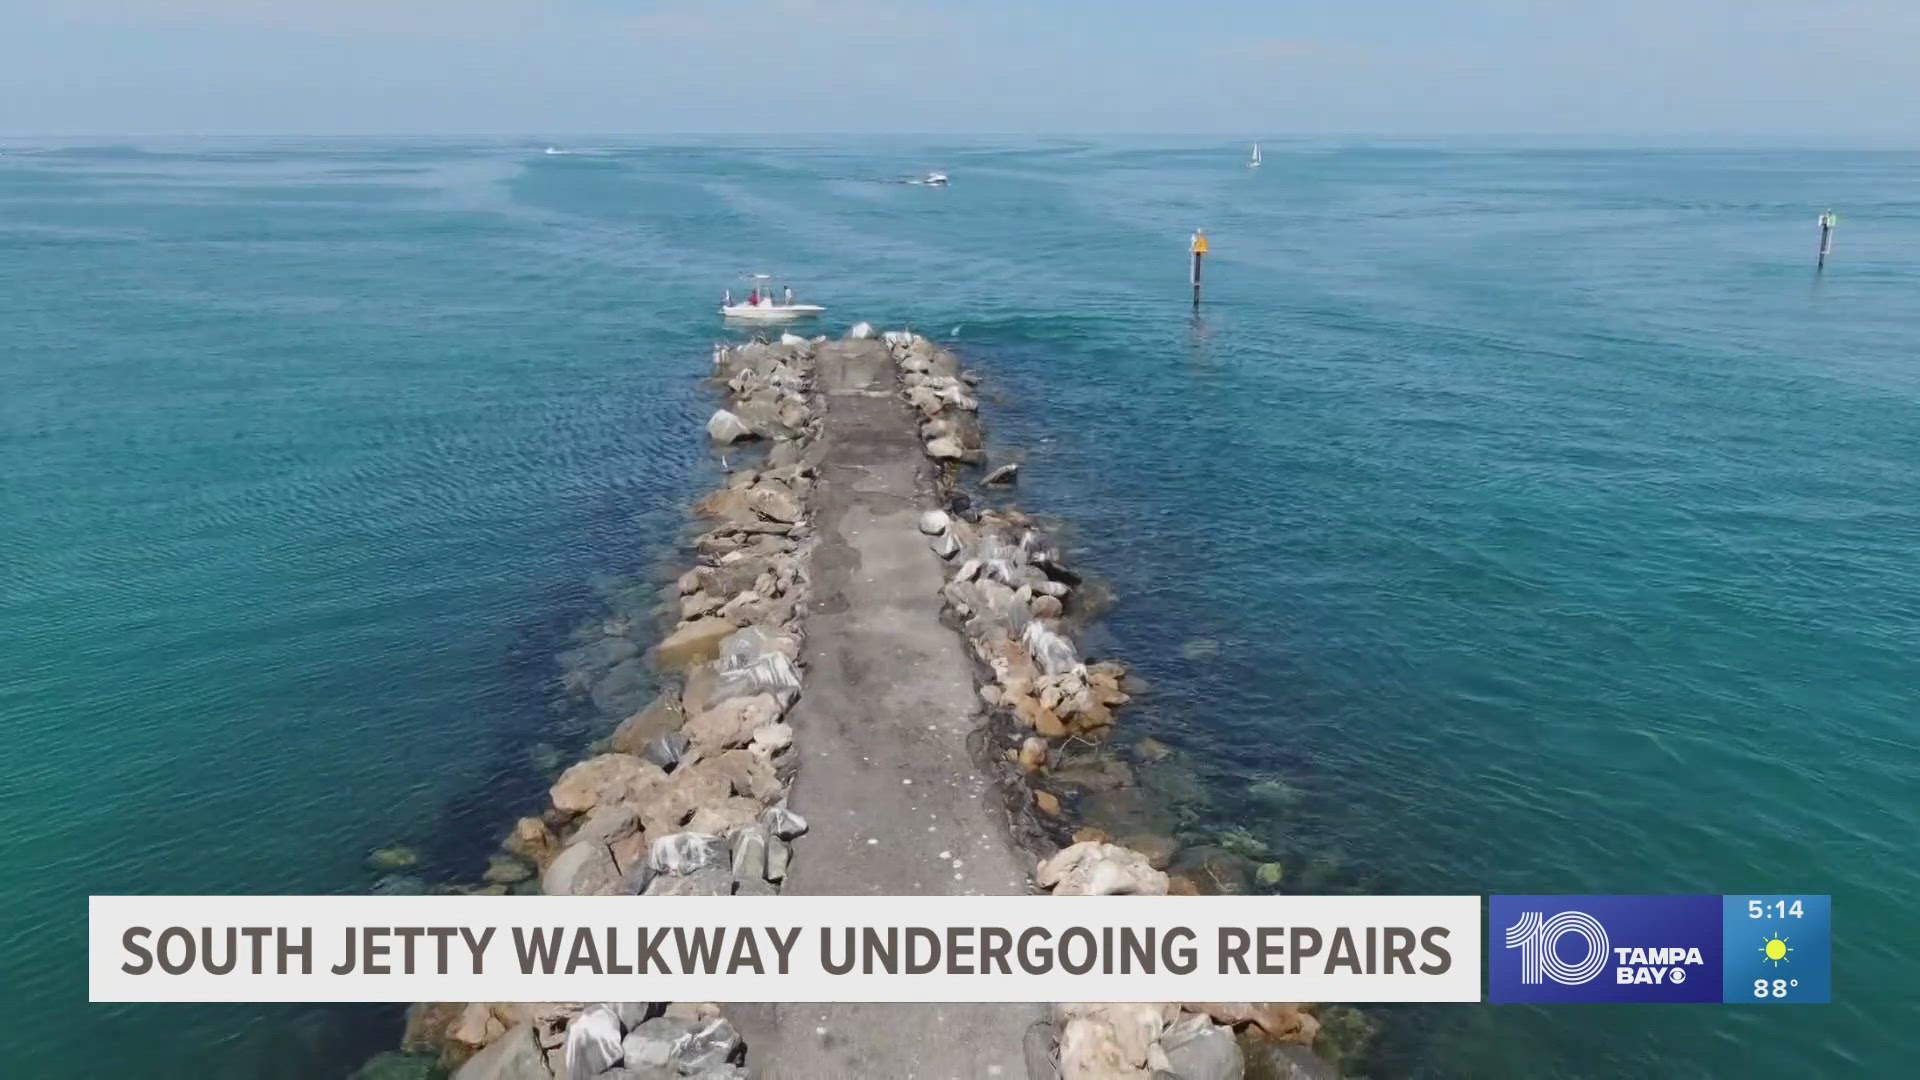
x=1532, y=512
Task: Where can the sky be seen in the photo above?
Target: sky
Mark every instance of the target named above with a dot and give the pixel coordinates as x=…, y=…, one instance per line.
x=1242, y=67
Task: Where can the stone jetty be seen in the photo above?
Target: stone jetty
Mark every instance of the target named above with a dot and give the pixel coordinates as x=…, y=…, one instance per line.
x=865, y=681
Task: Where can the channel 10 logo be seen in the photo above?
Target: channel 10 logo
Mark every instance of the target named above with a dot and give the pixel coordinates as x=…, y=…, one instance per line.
x=1604, y=948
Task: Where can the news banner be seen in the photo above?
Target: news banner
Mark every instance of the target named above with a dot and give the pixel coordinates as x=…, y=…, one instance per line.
x=1768, y=949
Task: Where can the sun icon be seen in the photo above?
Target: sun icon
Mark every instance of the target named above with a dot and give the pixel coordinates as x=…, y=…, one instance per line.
x=1776, y=949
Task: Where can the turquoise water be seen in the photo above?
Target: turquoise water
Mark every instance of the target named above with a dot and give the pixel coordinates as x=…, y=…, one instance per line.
x=1532, y=512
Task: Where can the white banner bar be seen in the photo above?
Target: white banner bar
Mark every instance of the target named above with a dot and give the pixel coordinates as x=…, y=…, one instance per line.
x=784, y=948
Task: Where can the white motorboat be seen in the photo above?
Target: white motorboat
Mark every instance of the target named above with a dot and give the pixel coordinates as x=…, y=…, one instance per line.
x=760, y=305
x=932, y=179
x=1254, y=161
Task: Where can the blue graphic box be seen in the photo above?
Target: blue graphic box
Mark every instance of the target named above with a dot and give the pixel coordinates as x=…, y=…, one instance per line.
x=1778, y=948
x=1604, y=948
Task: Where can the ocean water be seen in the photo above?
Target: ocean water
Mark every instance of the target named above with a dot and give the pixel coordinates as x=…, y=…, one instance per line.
x=1514, y=517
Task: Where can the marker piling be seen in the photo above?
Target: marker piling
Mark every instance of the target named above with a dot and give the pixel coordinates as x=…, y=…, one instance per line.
x=1199, y=248
x=1827, y=221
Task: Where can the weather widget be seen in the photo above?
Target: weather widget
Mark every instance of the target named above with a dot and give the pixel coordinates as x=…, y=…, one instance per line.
x=1777, y=949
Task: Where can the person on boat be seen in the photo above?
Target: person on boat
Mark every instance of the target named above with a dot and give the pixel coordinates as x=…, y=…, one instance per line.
x=788, y=298
x=726, y=298
x=753, y=298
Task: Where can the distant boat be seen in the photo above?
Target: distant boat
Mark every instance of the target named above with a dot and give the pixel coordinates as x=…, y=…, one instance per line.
x=1254, y=161
x=556, y=150
x=932, y=179
x=761, y=307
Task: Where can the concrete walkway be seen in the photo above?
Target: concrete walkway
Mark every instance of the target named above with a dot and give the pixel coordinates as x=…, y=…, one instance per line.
x=895, y=802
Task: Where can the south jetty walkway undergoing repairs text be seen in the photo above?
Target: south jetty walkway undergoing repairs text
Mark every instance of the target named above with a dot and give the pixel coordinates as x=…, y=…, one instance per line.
x=865, y=684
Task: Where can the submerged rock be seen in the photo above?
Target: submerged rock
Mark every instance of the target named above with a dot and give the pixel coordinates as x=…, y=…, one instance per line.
x=692, y=643
x=622, y=688
x=506, y=870
x=394, y=1065
x=399, y=885
x=1152, y=750
x=395, y=857
x=664, y=716
x=1267, y=1060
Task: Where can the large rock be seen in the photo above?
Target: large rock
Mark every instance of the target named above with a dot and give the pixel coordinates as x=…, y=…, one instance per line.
x=667, y=807
x=684, y=853
x=731, y=723
x=608, y=825
x=609, y=779
x=750, y=852
x=653, y=1044
x=429, y=1024
x=583, y=870
x=1198, y=1050
x=771, y=673
x=663, y=717
x=1135, y=1025
x=593, y=1042
x=712, y=1045
x=693, y=643
x=1099, y=869
x=709, y=882
x=775, y=504
x=749, y=645
x=724, y=427
x=726, y=504
x=783, y=822
x=1053, y=652
x=725, y=816
x=1279, y=1021
x=946, y=448
x=515, y=1056
x=1089, y=1050
x=749, y=773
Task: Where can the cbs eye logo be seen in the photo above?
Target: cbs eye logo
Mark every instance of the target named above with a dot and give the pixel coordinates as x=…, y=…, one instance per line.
x=1538, y=940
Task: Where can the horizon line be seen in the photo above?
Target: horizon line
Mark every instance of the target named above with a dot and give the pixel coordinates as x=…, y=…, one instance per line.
x=1823, y=136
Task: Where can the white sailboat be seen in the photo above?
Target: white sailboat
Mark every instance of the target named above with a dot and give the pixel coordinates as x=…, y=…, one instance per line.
x=1254, y=161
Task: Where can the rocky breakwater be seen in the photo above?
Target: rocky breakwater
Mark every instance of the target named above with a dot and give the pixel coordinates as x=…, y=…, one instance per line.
x=689, y=797
x=1010, y=594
